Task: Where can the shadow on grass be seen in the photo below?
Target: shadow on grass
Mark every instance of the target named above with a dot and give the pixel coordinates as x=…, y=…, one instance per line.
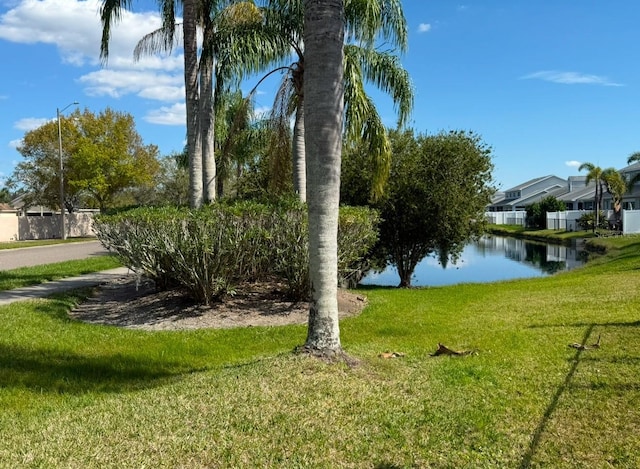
x=546, y=417
x=65, y=372
x=584, y=324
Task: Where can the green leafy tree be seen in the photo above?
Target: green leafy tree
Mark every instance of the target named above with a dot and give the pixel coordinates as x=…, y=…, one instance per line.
x=436, y=195
x=537, y=211
x=170, y=186
x=103, y=156
x=5, y=195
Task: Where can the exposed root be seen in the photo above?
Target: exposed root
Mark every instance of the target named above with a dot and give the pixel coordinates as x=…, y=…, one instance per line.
x=328, y=355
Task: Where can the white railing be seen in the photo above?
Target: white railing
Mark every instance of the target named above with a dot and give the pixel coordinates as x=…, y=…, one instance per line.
x=568, y=220
x=517, y=217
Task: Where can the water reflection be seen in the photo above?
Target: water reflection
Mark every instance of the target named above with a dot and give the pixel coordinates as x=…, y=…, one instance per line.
x=491, y=259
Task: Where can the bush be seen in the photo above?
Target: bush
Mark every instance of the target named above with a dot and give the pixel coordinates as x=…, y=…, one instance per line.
x=209, y=250
x=588, y=220
x=537, y=212
x=357, y=234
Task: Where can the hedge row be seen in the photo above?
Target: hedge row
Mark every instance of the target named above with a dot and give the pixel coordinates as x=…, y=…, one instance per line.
x=209, y=250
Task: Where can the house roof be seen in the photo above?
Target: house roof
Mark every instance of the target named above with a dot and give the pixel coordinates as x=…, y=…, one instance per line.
x=553, y=190
x=524, y=185
x=584, y=193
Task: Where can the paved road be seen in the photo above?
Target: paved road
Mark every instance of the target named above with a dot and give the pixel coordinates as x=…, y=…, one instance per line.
x=39, y=255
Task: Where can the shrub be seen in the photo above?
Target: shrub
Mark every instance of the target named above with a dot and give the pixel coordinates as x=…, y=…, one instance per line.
x=357, y=234
x=587, y=221
x=207, y=251
x=537, y=212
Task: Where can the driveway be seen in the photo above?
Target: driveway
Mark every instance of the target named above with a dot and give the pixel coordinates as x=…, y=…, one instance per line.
x=39, y=255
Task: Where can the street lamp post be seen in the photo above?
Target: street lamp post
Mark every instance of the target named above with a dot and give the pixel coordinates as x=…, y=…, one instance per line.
x=63, y=231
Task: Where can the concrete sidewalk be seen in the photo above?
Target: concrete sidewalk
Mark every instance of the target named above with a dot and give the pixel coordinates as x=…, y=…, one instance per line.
x=55, y=286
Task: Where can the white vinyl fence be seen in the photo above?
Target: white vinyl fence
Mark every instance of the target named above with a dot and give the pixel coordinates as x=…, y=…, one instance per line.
x=568, y=220
x=630, y=221
x=507, y=218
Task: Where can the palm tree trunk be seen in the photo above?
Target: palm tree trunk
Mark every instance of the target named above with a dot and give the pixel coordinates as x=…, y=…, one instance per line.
x=207, y=120
x=299, y=156
x=194, y=142
x=323, y=91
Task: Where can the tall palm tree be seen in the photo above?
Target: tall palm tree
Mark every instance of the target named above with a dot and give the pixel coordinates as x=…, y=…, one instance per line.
x=594, y=174
x=234, y=44
x=364, y=22
x=324, y=27
x=217, y=20
x=111, y=11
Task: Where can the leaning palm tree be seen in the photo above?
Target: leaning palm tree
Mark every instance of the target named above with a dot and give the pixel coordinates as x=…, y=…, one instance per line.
x=364, y=22
x=594, y=174
x=323, y=93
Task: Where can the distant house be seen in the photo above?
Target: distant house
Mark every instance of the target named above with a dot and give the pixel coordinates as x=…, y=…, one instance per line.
x=534, y=190
x=579, y=195
x=20, y=205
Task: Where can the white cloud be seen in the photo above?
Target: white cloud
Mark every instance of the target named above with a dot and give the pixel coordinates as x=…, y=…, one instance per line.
x=146, y=84
x=30, y=123
x=15, y=144
x=74, y=27
x=168, y=115
x=570, y=78
x=572, y=164
x=424, y=27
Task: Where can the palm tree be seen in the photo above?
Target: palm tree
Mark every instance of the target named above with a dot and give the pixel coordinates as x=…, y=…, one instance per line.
x=111, y=11
x=594, y=174
x=234, y=44
x=324, y=28
x=617, y=186
x=364, y=23
x=633, y=158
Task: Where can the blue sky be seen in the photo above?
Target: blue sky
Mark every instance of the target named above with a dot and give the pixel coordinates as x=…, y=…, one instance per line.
x=548, y=84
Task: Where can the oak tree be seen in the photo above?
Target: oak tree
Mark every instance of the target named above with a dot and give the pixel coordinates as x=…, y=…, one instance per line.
x=102, y=155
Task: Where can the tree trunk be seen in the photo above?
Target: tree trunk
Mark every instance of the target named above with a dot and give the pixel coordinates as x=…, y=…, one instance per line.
x=299, y=156
x=323, y=92
x=405, y=272
x=207, y=121
x=194, y=142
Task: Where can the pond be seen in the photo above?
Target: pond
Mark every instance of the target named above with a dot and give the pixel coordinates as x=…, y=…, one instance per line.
x=491, y=259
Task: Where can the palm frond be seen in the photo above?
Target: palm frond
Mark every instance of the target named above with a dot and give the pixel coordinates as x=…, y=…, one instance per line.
x=634, y=157
x=368, y=21
x=110, y=12
x=384, y=70
x=363, y=123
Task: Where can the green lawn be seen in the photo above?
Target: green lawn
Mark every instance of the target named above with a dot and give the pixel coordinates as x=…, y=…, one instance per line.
x=41, y=242
x=25, y=276
x=78, y=395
